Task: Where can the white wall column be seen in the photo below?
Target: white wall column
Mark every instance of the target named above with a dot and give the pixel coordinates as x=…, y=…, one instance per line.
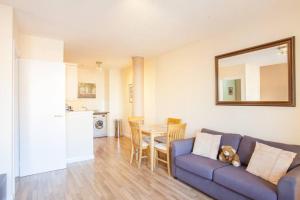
x=138, y=86
x=6, y=98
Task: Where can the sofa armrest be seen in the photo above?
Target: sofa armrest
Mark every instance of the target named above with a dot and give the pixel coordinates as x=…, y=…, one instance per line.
x=289, y=185
x=180, y=147
x=3, y=186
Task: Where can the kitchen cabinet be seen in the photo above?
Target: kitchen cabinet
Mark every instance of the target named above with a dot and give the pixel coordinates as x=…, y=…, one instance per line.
x=79, y=131
x=71, y=81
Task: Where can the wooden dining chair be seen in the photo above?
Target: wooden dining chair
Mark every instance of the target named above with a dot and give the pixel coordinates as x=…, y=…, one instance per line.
x=138, y=119
x=175, y=132
x=137, y=142
x=173, y=121
x=170, y=121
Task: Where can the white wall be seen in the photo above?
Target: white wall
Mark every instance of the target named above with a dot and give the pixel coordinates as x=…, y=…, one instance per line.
x=6, y=96
x=106, y=90
x=138, y=86
x=16, y=127
x=127, y=106
x=71, y=82
x=252, y=78
x=149, y=94
x=150, y=91
x=115, y=99
x=185, y=83
x=38, y=48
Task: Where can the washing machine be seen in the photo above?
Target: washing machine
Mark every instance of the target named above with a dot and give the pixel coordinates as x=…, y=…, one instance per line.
x=100, y=124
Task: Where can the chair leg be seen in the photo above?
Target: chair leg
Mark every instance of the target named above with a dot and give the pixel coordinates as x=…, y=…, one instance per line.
x=155, y=158
x=148, y=156
x=168, y=163
x=132, y=154
x=136, y=152
x=140, y=156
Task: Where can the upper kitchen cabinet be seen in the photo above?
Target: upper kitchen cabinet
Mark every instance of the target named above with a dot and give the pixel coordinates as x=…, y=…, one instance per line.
x=71, y=81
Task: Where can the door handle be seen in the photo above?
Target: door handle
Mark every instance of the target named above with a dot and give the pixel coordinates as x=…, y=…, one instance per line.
x=58, y=115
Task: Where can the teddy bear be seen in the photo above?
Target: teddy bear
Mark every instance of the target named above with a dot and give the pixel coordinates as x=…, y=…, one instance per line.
x=228, y=155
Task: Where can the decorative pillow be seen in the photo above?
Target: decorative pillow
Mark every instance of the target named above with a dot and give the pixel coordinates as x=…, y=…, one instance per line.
x=207, y=145
x=270, y=163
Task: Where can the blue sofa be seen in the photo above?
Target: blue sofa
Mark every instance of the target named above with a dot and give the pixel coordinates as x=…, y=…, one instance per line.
x=223, y=181
x=2, y=186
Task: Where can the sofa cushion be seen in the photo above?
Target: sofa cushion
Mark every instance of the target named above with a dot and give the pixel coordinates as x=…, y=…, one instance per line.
x=247, y=147
x=208, y=187
x=270, y=163
x=199, y=165
x=239, y=180
x=207, y=145
x=231, y=139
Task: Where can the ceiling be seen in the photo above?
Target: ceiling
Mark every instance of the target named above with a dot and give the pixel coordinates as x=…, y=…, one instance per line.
x=114, y=30
x=263, y=57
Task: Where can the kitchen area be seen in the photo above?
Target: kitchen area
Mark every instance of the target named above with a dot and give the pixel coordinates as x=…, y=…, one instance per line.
x=59, y=108
x=86, y=116
x=62, y=132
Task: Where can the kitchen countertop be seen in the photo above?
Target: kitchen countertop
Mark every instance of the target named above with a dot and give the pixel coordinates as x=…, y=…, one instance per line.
x=74, y=111
x=95, y=112
x=101, y=113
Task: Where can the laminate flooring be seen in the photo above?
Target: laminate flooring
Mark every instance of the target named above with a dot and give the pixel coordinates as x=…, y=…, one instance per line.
x=109, y=176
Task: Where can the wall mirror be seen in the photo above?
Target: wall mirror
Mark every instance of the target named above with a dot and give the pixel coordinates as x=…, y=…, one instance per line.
x=263, y=75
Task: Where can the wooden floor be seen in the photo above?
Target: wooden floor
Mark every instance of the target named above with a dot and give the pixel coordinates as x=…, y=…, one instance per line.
x=109, y=176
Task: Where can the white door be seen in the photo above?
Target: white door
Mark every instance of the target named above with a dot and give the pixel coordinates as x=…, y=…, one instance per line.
x=42, y=117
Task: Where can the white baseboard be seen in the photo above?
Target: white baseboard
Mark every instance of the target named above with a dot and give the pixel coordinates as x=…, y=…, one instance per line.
x=80, y=158
x=11, y=197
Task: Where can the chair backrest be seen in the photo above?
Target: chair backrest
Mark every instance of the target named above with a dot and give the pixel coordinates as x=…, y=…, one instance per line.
x=136, y=134
x=173, y=121
x=138, y=119
x=175, y=132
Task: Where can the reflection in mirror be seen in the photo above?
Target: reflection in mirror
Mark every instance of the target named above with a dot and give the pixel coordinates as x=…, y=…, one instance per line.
x=254, y=76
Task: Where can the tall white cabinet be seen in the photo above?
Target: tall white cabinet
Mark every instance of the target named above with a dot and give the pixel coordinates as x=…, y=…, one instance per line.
x=42, y=117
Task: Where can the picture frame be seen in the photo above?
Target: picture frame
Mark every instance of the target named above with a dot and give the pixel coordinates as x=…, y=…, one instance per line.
x=86, y=90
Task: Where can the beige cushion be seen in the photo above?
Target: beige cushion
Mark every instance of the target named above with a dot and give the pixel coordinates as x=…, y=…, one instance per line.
x=147, y=139
x=145, y=144
x=161, y=146
x=270, y=163
x=207, y=145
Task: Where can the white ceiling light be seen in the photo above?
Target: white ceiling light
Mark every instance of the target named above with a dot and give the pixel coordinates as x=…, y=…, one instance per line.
x=282, y=50
x=99, y=65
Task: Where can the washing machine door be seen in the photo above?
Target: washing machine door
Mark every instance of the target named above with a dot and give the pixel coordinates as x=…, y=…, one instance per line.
x=99, y=124
x=100, y=127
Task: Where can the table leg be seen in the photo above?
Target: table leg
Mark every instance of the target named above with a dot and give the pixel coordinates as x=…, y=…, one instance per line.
x=152, y=152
